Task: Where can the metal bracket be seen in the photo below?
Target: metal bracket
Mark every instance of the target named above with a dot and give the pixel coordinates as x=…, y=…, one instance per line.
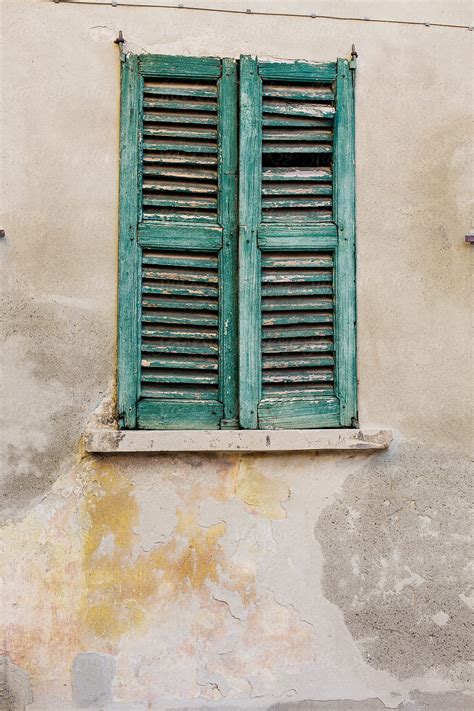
x=469, y=239
x=354, y=55
x=120, y=41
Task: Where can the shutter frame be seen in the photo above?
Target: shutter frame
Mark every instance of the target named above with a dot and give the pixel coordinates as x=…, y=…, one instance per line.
x=344, y=212
x=257, y=238
x=228, y=255
x=249, y=255
x=129, y=252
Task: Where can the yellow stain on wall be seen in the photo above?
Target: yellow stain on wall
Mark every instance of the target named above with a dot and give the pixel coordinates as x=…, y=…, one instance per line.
x=119, y=584
x=192, y=557
x=262, y=494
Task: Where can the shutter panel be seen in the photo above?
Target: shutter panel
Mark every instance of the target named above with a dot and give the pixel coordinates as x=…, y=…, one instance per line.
x=297, y=296
x=183, y=234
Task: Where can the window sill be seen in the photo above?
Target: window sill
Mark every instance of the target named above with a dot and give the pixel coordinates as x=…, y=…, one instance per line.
x=110, y=441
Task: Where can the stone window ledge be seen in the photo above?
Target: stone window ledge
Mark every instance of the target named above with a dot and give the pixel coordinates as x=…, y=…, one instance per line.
x=103, y=435
x=109, y=441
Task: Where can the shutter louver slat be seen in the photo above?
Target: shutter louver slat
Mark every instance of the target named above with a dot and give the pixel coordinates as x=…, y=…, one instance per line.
x=180, y=88
x=173, y=172
x=188, y=187
x=177, y=202
x=178, y=159
x=290, y=189
x=186, y=146
x=180, y=132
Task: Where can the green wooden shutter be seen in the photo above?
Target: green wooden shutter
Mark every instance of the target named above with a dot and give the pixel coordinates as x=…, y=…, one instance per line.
x=177, y=324
x=297, y=234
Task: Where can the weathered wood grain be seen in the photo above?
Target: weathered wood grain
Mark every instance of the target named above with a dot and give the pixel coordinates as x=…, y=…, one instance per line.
x=299, y=71
x=299, y=414
x=344, y=212
x=249, y=254
x=228, y=256
x=310, y=93
x=169, y=66
x=192, y=237
x=129, y=250
x=179, y=415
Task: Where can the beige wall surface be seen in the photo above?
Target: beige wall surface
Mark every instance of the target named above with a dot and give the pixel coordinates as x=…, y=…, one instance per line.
x=285, y=581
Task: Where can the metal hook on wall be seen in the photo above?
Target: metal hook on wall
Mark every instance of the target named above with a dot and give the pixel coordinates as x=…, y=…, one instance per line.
x=120, y=41
x=354, y=55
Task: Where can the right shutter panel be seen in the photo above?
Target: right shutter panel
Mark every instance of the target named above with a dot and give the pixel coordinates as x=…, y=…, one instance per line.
x=290, y=247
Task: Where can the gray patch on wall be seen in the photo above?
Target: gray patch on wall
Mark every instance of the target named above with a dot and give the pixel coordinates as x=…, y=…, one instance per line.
x=92, y=676
x=395, y=544
x=340, y=705
x=15, y=690
x=54, y=378
x=440, y=702
x=418, y=702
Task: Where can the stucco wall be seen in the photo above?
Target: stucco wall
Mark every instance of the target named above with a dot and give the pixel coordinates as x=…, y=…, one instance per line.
x=335, y=582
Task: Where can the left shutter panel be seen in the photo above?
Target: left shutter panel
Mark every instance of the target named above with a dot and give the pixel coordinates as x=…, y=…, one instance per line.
x=186, y=240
